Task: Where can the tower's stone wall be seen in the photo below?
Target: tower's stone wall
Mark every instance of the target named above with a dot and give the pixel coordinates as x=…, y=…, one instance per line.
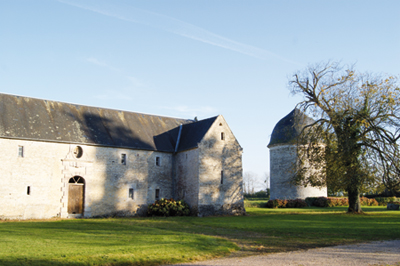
x=283, y=160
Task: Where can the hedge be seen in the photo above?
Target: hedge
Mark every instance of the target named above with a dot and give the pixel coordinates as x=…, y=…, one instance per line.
x=295, y=203
x=329, y=202
x=383, y=201
x=335, y=202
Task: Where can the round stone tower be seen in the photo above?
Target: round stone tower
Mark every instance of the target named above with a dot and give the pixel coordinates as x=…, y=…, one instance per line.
x=283, y=158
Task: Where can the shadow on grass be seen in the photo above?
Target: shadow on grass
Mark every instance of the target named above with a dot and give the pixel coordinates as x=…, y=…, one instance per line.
x=277, y=230
x=152, y=241
x=102, y=242
x=52, y=262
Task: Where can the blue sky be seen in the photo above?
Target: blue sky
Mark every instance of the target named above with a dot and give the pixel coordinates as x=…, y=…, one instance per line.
x=190, y=58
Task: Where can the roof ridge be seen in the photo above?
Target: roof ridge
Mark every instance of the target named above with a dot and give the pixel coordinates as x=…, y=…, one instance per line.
x=90, y=106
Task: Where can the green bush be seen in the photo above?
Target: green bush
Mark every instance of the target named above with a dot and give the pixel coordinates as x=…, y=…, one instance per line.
x=168, y=207
x=383, y=201
x=258, y=195
x=297, y=203
x=321, y=202
x=338, y=202
x=310, y=201
x=273, y=204
x=255, y=204
x=277, y=203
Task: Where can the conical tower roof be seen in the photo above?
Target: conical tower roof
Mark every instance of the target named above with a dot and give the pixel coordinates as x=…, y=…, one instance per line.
x=289, y=128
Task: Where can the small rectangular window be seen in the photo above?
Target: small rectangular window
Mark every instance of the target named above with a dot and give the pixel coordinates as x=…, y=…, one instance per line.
x=157, y=194
x=158, y=161
x=123, y=158
x=222, y=177
x=131, y=193
x=28, y=190
x=222, y=136
x=20, y=151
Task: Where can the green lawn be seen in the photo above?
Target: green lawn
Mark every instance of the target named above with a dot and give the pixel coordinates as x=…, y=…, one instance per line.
x=152, y=241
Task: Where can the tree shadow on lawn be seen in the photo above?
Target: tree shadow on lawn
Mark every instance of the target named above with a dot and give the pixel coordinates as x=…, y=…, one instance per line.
x=102, y=242
x=276, y=231
x=52, y=262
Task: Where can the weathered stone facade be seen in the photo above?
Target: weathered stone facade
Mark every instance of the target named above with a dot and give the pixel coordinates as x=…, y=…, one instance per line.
x=284, y=159
x=210, y=176
x=60, y=177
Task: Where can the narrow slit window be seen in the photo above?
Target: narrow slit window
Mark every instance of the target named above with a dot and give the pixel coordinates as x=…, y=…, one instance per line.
x=20, y=151
x=158, y=161
x=28, y=190
x=222, y=136
x=123, y=158
x=157, y=194
x=131, y=193
x=222, y=177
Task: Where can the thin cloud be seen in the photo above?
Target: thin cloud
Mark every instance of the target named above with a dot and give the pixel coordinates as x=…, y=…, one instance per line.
x=97, y=62
x=176, y=26
x=135, y=85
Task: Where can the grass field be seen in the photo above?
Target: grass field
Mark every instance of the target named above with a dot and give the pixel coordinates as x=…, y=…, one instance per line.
x=153, y=241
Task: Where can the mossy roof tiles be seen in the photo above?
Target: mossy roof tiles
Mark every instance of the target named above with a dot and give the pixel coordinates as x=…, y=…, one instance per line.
x=37, y=119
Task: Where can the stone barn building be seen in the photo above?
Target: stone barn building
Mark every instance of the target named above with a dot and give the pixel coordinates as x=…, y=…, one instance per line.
x=283, y=158
x=67, y=160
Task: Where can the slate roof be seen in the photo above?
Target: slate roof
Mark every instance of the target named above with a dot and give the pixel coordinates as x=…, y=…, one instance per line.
x=36, y=119
x=289, y=128
x=193, y=133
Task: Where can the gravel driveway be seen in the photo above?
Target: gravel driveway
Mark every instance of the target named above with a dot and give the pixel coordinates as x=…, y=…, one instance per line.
x=373, y=253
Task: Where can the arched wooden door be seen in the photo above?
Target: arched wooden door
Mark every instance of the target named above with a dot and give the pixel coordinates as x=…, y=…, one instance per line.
x=76, y=191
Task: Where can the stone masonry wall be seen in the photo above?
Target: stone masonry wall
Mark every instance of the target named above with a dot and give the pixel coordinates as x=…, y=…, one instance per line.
x=283, y=159
x=46, y=169
x=40, y=170
x=220, y=172
x=187, y=178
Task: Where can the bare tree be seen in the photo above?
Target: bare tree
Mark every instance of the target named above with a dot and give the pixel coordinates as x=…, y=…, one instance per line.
x=249, y=182
x=266, y=181
x=358, y=123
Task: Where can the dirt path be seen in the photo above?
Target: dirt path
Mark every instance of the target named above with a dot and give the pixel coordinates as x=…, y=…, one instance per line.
x=374, y=253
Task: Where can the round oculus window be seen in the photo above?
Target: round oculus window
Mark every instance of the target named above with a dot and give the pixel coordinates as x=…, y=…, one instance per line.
x=78, y=152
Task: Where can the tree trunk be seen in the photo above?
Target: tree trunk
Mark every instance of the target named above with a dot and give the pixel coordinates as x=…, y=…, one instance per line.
x=354, y=200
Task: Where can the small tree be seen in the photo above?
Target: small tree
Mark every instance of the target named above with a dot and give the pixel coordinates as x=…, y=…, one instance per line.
x=267, y=184
x=357, y=127
x=249, y=181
